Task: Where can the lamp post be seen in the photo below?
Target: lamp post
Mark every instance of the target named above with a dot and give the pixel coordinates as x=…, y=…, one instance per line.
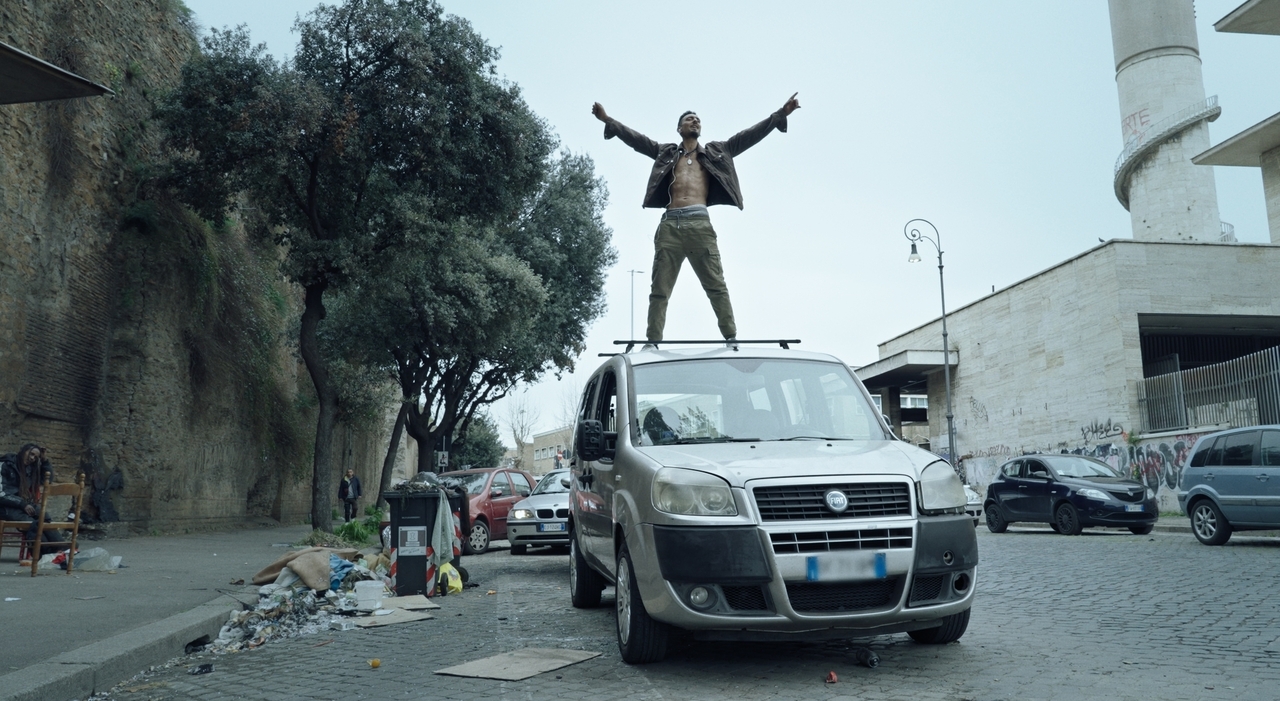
x=913, y=235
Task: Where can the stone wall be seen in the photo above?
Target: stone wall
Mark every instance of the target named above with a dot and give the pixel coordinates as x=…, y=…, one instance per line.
x=141, y=343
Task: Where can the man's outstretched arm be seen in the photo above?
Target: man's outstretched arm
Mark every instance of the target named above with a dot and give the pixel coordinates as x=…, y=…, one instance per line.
x=630, y=137
x=752, y=135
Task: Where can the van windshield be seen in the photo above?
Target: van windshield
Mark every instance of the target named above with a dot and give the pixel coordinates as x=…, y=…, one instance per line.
x=751, y=399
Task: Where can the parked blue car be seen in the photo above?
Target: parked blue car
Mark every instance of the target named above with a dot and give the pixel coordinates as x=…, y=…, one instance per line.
x=1070, y=493
x=1232, y=483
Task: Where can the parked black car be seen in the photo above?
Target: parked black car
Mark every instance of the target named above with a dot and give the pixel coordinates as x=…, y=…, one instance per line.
x=1068, y=492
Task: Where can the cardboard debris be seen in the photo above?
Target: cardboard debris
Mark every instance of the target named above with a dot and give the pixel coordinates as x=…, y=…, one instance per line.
x=417, y=602
x=519, y=664
x=396, y=616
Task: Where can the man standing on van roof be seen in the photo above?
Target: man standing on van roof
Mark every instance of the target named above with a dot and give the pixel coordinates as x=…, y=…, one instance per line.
x=687, y=178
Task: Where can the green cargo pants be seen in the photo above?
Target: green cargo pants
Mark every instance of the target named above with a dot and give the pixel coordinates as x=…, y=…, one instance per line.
x=682, y=236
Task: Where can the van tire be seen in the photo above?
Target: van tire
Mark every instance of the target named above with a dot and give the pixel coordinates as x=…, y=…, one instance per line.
x=585, y=584
x=1208, y=524
x=952, y=628
x=641, y=639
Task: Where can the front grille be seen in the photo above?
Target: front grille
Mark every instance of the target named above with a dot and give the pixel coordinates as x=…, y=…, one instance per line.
x=809, y=597
x=826, y=541
x=927, y=587
x=745, y=598
x=562, y=513
x=804, y=502
x=545, y=513
x=1131, y=498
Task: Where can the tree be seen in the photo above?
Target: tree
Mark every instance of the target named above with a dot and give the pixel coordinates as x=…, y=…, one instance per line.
x=389, y=115
x=490, y=306
x=521, y=418
x=480, y=446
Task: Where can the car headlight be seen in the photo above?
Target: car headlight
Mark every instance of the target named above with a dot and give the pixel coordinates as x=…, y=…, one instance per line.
x=1093, y=494
x=693, y=493
x=1151, y=493
x=972, y=496
x=941, y=489
x=521, y=514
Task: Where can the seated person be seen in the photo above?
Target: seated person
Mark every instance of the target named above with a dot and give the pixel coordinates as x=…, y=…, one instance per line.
x=21, y=476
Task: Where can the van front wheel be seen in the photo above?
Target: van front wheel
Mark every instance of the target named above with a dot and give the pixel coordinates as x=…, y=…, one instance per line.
x=640, y=638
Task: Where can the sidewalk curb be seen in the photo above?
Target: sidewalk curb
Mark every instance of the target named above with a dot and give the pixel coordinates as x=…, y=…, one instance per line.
x=99, y=666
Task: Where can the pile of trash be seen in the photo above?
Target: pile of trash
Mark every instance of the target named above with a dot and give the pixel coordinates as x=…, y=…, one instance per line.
x=302, y=593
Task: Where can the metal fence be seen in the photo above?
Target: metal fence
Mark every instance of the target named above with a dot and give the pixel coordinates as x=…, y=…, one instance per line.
x=1240, y=392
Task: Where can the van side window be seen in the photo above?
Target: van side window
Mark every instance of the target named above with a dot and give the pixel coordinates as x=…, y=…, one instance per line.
x=1271, y=448
x=607, y=405
x=1239, y=449
x=1215, y=453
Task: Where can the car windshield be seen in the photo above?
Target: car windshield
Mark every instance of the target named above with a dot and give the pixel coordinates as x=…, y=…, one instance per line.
x=1075, y=466
x=551, y=483
x=473, y=482
x=750, y=399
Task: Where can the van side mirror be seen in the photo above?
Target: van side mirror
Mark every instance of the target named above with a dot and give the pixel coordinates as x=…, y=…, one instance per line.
x=590, y=440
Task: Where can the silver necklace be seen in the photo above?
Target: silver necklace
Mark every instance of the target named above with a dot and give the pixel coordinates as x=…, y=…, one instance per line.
x=689, y=160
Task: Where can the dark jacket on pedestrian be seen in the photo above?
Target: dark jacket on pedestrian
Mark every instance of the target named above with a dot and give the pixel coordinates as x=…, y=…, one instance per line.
x=716, y=158
x=20, y=484
x=349, y=488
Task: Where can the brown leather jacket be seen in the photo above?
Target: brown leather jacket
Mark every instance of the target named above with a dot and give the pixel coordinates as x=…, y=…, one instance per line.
x=716, y=158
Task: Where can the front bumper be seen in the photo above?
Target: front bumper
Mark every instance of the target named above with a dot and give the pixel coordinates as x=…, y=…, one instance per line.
x=1116, y=515
x=532, y=532
x=785, y=580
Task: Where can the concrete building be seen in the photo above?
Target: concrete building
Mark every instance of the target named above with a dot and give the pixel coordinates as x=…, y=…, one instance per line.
x=546, y=447
x=1259, y=145
x=1134, y=348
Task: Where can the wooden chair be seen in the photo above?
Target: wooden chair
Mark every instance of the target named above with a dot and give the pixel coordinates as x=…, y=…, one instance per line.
x=14, y=533
x=76, y=492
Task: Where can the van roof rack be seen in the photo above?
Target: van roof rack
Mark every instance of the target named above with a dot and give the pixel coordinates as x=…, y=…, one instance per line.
x=785, y=343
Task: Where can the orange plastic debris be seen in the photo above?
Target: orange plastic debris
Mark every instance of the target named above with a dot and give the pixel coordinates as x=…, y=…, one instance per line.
x=832, y=678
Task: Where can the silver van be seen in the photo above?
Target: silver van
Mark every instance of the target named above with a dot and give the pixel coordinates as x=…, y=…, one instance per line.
x=756, y=494
x=1232, y=483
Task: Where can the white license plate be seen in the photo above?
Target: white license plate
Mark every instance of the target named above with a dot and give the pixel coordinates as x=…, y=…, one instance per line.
x=847, y=566
x=1133, y=507
x=544, y=527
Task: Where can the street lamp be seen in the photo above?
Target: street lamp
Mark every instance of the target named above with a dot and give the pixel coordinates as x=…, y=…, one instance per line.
x=913, y=235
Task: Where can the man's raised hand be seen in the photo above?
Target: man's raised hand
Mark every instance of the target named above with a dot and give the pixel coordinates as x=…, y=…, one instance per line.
x=598, y=110
x=788, y=107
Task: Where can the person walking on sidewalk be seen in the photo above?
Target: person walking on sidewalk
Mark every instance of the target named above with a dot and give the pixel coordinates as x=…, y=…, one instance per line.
x=686, y=179
x=349, y=492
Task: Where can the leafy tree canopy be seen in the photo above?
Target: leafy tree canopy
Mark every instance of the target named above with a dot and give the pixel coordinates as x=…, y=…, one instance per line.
x=388, y=124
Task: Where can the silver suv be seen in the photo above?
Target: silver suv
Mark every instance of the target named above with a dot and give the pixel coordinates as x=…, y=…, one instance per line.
x=756, y=494
x=1232, y=483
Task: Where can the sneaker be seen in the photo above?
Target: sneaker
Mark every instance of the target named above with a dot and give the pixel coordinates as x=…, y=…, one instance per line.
x=731, y=343
x=649, y=346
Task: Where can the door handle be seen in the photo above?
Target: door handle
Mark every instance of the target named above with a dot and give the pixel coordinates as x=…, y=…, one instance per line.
x=1262, y=477
x=1208, y=475
x=1022, y=486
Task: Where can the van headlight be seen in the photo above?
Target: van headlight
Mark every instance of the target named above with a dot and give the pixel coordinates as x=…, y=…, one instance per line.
x=941, y=490
x=692, y=493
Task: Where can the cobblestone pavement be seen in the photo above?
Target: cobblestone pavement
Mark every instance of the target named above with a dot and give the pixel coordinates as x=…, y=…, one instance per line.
x=1099, y=616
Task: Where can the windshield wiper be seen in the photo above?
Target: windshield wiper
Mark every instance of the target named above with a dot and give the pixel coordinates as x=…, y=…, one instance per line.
x=811, y=438
x=708, y=439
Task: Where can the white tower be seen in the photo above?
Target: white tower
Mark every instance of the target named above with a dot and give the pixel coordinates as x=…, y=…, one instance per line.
x=1164, y=119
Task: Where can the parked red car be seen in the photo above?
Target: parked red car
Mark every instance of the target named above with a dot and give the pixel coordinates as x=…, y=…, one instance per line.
x=491, y=493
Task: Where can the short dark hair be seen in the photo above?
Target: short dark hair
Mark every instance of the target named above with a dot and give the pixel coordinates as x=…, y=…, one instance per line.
x=686, y=114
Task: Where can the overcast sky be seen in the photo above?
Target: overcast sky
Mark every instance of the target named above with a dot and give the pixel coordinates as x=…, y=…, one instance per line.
x=996, y=120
